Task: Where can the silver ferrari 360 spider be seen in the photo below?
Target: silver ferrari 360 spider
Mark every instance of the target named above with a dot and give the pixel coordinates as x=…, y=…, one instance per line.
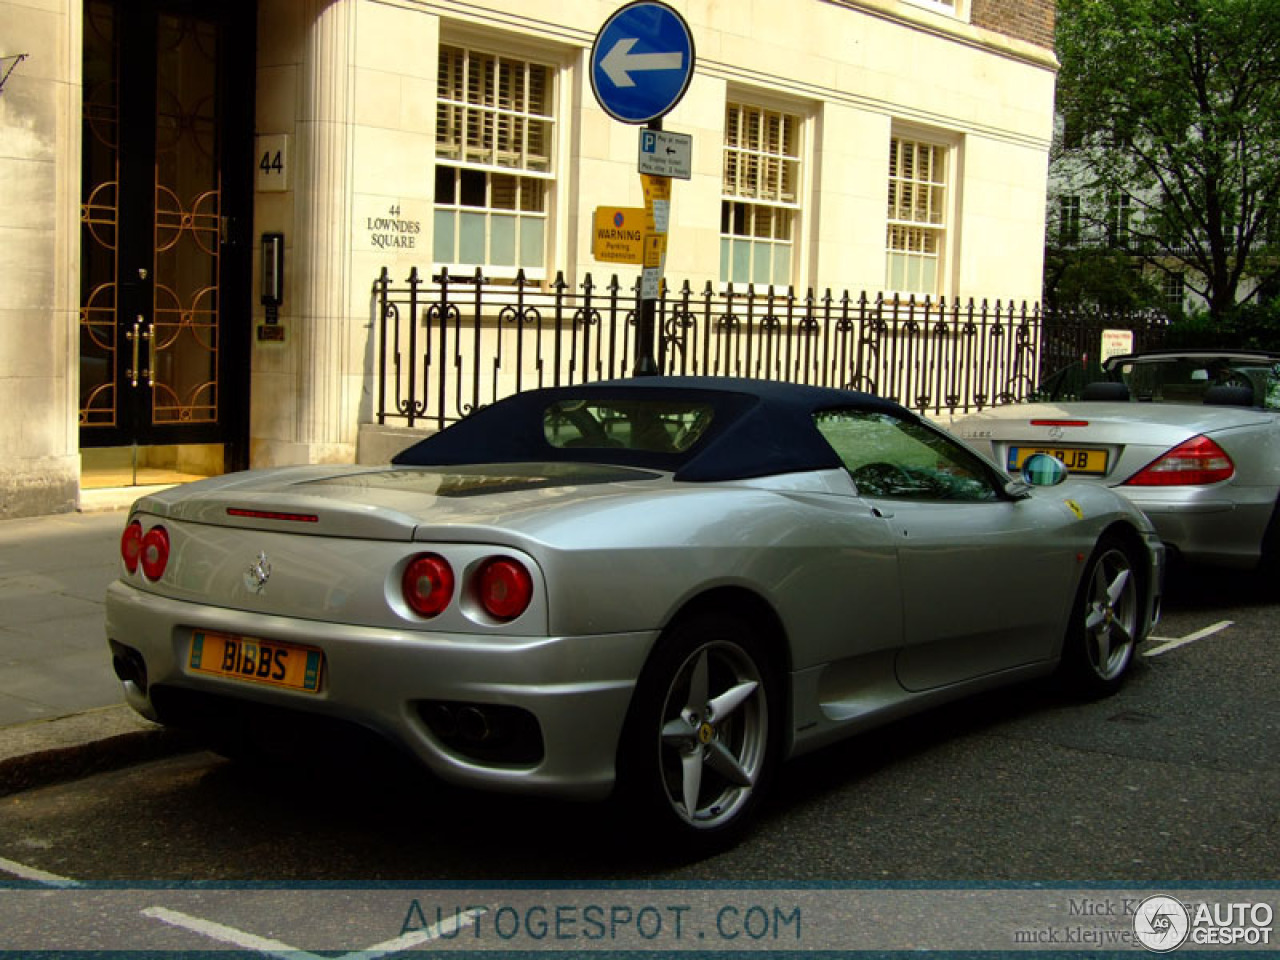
x=1192, y=437
x=665, y=585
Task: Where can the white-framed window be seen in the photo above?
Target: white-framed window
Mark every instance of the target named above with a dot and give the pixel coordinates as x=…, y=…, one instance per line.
x=1068, y=220
x=954, y=8
x=1072, y=131
x=1119, y=212
x=495, y=164
x=918, y=199
x=1173, y=286
x=760, y=195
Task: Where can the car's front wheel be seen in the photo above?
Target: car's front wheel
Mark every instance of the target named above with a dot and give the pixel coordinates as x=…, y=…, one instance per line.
x=704, y=731
x=1105, y=623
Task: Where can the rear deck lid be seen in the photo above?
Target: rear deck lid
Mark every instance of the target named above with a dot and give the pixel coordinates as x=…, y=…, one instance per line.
x=385, y=503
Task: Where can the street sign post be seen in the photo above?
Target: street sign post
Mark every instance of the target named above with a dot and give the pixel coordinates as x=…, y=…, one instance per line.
x=641, y=65
x=642, y=62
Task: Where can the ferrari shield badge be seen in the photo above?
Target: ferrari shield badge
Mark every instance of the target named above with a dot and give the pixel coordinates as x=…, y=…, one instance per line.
x=256, y=577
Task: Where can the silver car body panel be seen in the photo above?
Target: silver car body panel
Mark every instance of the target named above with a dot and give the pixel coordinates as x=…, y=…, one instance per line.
x=1220, y=523
x=852, y=582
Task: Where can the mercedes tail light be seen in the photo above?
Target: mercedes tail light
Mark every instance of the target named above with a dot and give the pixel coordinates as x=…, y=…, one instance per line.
x=154, y=555
x=131, y=546
x=1196, y=462
x=505, y=588
x=427, y=584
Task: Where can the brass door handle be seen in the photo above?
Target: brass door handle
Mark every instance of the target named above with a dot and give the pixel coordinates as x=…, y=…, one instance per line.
x=134, y=335
x=150, y=372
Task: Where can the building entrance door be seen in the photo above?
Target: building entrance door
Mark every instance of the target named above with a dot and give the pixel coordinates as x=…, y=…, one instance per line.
x=165, y=312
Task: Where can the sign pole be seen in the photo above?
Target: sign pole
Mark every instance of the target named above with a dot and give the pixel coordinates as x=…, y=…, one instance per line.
x=646, y=359
x=641, y=64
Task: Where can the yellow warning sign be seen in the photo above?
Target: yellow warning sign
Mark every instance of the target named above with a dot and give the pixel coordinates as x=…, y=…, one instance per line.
x=617, y=235
x=656, y=188
x=657, y=203
x=655, y=249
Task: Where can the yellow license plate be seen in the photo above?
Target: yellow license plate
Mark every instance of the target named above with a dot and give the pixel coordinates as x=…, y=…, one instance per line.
x=257, y=661
x=1077, y=459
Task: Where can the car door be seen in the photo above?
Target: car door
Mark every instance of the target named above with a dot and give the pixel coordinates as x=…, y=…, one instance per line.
x=985, y=579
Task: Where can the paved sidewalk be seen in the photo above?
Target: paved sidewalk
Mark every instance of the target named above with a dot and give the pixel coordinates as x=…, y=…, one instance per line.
x=61, y=709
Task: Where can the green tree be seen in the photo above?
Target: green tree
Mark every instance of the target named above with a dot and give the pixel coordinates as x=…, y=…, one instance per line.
x=1175, y=105
x=1097, y=279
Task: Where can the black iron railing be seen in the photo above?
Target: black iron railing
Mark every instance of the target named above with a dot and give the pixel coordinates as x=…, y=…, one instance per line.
x=449, y=345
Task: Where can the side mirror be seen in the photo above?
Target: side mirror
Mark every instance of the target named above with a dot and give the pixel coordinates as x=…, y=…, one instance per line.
x=1043, y=470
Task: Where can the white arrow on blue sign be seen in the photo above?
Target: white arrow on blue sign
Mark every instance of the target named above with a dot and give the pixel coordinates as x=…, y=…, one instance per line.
x=642, y=61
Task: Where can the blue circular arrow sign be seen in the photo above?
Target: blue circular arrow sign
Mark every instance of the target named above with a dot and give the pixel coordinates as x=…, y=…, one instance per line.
x=642, y=61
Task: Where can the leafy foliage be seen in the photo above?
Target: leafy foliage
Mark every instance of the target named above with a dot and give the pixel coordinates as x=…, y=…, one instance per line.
x=1250, y=326
x=1176, y=105
x=1097, y=279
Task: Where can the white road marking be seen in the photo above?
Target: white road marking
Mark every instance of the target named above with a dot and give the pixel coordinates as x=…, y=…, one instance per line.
x=38, y=876
x=225, y=934
x=1168, y=644
x=276, y=948
x=249, y=941
x=415, y=937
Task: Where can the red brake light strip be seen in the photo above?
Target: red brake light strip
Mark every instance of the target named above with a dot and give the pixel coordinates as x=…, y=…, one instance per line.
x=273, y=515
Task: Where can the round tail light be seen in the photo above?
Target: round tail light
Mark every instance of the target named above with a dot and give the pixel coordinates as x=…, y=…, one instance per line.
x=428, y=584
x=155, y=553
x=505, y=588
x=131, y=546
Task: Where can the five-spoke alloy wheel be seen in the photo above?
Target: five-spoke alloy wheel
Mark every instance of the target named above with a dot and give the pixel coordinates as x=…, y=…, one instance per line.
x=703, y=734
x=1105, y=623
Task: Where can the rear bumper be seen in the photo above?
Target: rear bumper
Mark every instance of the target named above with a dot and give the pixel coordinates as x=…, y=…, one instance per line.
x=577, y=688
x=1204, y=526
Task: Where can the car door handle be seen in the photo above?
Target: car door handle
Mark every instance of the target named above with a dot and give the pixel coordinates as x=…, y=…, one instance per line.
x=882, y=514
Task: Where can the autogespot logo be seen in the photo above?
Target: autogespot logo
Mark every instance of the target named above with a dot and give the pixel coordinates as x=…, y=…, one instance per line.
x=1161, y=923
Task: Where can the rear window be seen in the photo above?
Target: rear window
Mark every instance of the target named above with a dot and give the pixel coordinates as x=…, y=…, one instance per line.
x=644, y=425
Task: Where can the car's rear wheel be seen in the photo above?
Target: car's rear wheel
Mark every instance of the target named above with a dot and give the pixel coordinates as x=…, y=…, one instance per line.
x=704, y=731
x=1103, y=634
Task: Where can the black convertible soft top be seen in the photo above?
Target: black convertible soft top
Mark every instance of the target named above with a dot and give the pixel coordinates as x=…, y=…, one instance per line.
x=759, y=428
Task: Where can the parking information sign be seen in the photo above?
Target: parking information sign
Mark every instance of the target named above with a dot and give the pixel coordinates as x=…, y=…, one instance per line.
x=642, y=62
x=665, y=154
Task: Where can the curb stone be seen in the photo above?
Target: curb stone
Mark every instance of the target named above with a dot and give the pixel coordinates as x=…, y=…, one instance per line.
x=45, y=752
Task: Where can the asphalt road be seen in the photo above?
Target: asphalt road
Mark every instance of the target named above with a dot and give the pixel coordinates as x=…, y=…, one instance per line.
x=1176, y=779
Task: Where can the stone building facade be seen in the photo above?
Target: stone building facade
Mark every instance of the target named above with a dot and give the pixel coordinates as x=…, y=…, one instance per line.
x=195, y=197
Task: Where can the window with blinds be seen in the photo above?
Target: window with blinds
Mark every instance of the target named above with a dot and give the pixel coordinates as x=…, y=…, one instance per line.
x=760, y=195
x=917, y=216
x=495, y=131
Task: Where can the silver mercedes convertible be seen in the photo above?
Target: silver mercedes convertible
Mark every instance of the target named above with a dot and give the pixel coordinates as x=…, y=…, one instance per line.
x=1192, y=437
x=665, y=586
